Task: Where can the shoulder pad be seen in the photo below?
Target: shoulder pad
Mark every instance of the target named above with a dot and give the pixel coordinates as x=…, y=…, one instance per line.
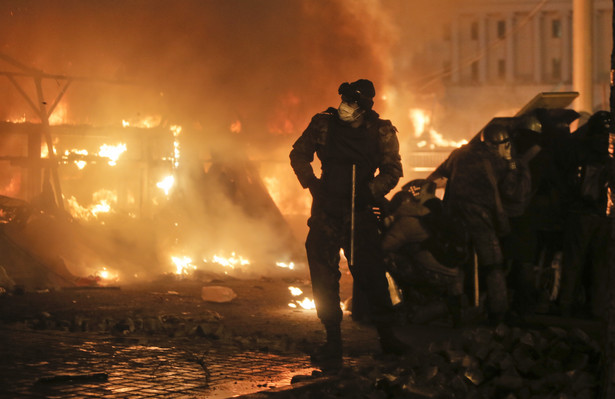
x=386, y=128
x=321, y=120
x=328, y=113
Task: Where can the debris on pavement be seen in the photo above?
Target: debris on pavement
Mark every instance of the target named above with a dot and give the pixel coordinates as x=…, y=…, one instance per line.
x=216, y=293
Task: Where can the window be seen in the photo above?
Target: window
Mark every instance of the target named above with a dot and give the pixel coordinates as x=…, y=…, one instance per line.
x=556, y=69
x=475, y=71
x=556, y=28
x=474, y=31
x=501, y=29
x=501, y=69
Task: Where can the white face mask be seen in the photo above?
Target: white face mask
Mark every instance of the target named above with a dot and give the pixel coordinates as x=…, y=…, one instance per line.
x=349, y=112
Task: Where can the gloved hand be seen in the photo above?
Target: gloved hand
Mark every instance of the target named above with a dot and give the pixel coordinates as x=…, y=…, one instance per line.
x=388, y=221
x=365, y=194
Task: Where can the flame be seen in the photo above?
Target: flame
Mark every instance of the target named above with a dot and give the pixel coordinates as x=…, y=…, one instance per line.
x=102, y=204
x=146, y=122
x=166, y=184
x=107, y=275
x=176, y=129
x=112, y=152
x=59, y=115
x=422, y=124
x=305, y=303
x=79, y=162
x=440, y=141
x=232, y=261
x=289, y=265
x=19, y=119
x=45, y=149
x=419, y=119
x=182, y=264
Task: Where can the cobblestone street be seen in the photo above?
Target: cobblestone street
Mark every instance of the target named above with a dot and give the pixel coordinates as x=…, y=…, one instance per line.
x=160, y=339
x=61, y=365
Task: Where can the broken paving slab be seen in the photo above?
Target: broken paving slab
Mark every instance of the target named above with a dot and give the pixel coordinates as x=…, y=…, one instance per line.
x=217, y=293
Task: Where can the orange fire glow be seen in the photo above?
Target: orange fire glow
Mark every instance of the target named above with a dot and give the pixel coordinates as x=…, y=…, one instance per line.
x=231, y=262
x=102, y=204
x=236, y=127
x=288, y=205
x=166, y=184
x=176, y=130
x=107, y=275
x=182, y=264
x=146, y=122
x=59, y=115
x=13, y=186
x=112, y=152
x=421, y=121
x=305, y=303
x=286, y=265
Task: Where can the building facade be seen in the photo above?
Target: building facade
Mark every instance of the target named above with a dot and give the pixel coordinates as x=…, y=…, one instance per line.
x=493, y=56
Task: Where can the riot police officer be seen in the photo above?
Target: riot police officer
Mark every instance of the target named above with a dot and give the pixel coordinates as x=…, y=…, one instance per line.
x=482, y=178
x=352, y=143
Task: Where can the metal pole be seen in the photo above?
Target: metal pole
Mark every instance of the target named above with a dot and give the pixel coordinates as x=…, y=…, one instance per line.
x=352, y=221
x=476, y=283
x=608, y=386
x=582, y=54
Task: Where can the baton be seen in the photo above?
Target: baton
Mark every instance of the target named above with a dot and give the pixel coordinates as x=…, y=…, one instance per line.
x=354, y=178
x=476, y=286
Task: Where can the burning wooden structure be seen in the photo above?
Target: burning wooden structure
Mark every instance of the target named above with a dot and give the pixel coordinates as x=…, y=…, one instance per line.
x=122, y=176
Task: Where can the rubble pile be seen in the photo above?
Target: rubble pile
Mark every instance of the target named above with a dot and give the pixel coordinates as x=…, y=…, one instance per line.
x=504, y=362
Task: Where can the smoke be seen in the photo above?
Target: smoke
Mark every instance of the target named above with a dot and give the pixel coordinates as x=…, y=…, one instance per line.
x=207, y=65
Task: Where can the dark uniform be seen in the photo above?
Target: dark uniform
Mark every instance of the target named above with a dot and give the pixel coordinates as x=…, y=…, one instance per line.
x=412, y=248
x=480, y=184
x=587, y=226
x=371, y=146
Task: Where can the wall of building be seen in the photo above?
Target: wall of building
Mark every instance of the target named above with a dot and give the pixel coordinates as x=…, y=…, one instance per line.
x=499, y=42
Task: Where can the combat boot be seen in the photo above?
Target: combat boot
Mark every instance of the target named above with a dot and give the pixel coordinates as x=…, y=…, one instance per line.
x=389, y=343
x=329, y=356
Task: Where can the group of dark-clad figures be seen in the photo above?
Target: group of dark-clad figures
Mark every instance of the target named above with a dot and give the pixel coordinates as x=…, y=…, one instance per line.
x=523, y=225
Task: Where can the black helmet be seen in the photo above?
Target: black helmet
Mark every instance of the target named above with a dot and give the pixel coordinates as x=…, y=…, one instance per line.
x=421, y=190
x=398, y=199
x=494, y=134
x=600, y=123
x=361, y=91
